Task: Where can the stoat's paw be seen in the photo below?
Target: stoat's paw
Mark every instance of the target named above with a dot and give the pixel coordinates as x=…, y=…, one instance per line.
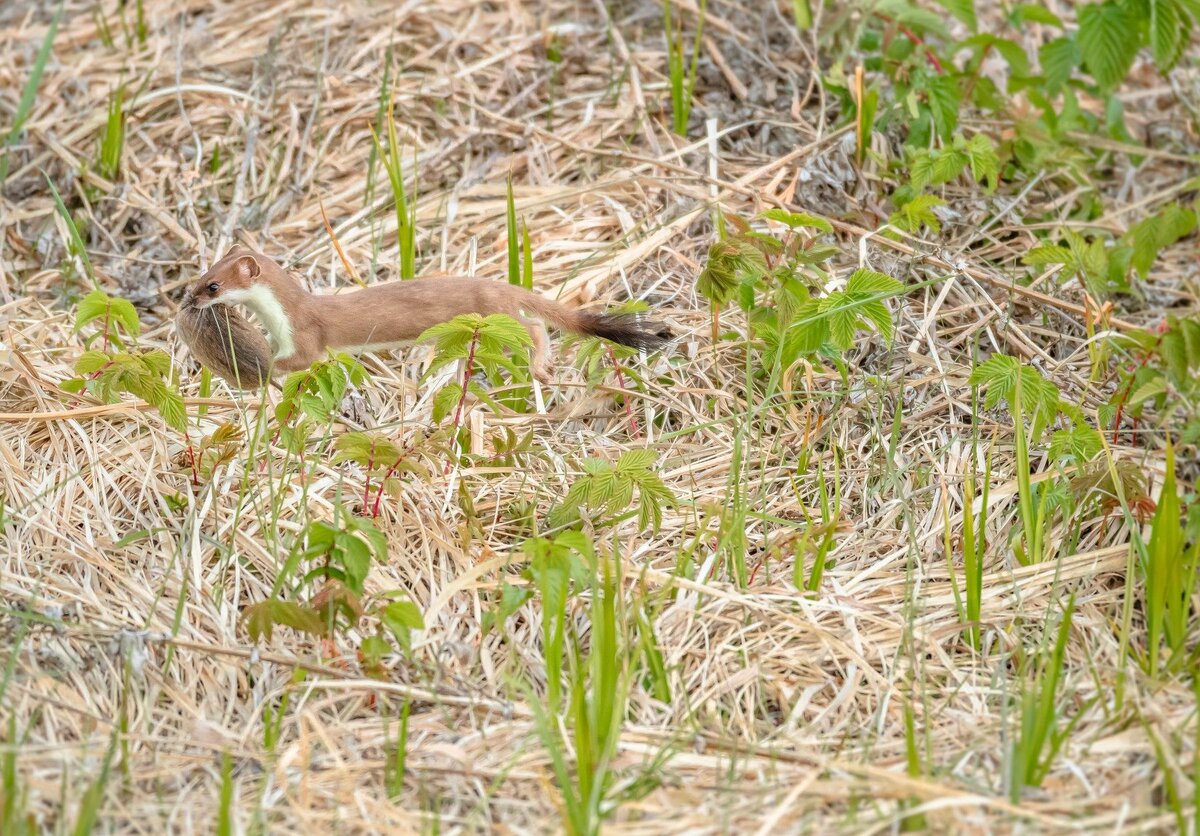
x=543, y=372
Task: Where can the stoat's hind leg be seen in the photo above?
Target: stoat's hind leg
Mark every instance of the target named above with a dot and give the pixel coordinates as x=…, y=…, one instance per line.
x=539, y=358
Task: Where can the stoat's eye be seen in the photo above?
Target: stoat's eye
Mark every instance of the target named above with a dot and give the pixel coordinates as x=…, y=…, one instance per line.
x=213, y=287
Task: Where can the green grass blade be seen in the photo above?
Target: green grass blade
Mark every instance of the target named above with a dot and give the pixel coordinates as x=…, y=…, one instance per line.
x=29, y=94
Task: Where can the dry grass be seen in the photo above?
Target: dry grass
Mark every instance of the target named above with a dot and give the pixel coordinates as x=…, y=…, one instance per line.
x=788, y=711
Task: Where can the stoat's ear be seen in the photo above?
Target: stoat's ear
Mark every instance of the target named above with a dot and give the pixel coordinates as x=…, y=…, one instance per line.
x=234, y=250
x=247, y=267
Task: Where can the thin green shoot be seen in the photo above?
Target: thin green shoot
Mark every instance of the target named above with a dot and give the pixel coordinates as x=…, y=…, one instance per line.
x=680, y=70
x=29, y=93
x=406, y=210
x=397, y=759
x=514, y=255
x=75, y=245
x=112, y=141
x=1170, y=574
x=1039, y=738
x=225, y=815
x=802, y=15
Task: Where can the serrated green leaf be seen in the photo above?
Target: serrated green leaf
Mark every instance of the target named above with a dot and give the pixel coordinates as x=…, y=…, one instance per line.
x=91, y=307
x=1058, y=59
x=639, y=459
x=870, y=282
x=918, y=212
x=797, y=219
x=91, y=361
x=985, y=164
x=1049, y=254
x=944, y=101
x=1168, y=33
x=123, y=312
x=964, y=10
x=1149, y=390
x=1108, y=41
x=1080, y=444
x=170, y=406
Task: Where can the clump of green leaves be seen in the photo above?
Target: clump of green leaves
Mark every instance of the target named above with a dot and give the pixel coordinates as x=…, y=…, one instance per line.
x=1036, y=404
x=1001, y=374
x=493, y=344
x=608, y=489
x=215, y=449
x=330, y=597
x=939, y=166
x=1164, y=375
x=780, y=282
x=119, y=366
x=381, y=460
x=600, y=675
x=311, y=397
x=1104, y=266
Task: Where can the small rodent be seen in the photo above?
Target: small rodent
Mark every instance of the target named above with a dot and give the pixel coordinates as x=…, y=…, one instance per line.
x=222, y=339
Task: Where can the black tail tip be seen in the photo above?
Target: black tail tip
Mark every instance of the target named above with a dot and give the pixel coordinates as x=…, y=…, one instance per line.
x=628, y=329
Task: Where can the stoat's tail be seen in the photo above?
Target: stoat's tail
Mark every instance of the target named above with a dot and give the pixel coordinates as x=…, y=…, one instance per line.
x=623, y=328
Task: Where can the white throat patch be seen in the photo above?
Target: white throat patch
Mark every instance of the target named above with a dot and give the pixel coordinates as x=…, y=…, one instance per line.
x=264, y=304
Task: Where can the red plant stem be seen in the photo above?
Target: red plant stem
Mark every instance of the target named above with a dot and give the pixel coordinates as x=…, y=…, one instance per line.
x=916, y=39
x=929, y=56
x=462, y=398
x=391, y=471
x=367, y=484
x=633, y=422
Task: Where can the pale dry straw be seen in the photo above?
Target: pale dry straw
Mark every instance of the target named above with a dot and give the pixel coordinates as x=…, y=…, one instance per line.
x=788, y=711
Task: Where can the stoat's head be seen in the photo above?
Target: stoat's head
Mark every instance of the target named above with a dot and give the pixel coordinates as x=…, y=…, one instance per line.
x=237, y=270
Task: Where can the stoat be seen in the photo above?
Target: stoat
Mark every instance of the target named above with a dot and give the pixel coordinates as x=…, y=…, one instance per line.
x=302, y=325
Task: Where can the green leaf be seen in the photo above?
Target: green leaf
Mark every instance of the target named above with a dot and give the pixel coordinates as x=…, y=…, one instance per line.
x=406, y=613
x=864, y=281
x=914, y=17
x=91, y=361
x=1080, y=443
x=1169, y=32
x=1037, y=14
x=944, y=102
x=1049, y=254
x=1108, y=41
x=446, y=401
x=1152, y=388
x=999, y=374
x=373, y=649
x=797, y=219
x=356, y=560
x=985, y=164
x=964, y=10
x=91, y=307
x=918, y=212
x=1058, y=58
x=170, y=406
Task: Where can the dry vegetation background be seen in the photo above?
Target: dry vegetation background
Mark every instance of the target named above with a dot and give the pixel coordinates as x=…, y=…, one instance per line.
x=787, y=712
